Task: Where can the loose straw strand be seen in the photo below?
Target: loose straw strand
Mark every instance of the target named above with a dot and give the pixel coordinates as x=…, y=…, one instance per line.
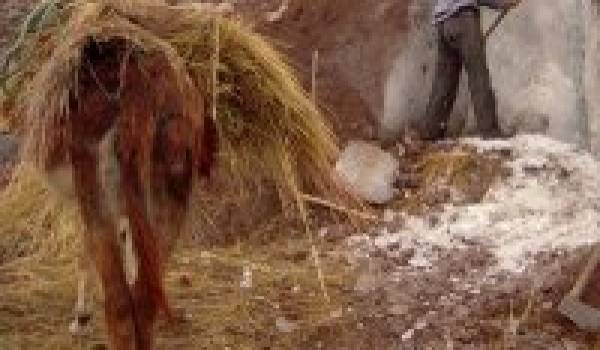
x=215, y=70
x=315, y=69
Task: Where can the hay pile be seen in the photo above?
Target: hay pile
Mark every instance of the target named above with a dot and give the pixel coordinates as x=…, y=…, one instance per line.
x=270, y=131
x=34, y=223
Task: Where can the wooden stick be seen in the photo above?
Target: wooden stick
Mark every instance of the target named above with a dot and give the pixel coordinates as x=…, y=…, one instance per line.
x=313, y=247
x=339, y=208
x=499, y=20
x=315, y=67
x=215, y=72
x=586, y=274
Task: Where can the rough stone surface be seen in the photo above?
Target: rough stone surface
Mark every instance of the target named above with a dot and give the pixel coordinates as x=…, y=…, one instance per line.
x=368, y=171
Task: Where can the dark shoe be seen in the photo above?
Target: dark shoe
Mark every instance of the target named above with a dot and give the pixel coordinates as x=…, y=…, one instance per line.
x=495, y=133
x=427, y=131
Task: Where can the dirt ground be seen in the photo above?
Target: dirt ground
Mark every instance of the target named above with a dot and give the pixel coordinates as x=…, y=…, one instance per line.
x=378, y=298
x=380, y=295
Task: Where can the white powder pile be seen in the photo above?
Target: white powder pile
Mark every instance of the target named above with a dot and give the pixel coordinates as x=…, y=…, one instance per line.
x=552, y=200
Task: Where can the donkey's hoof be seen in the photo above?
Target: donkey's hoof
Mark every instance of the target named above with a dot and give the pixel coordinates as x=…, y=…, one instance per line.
x=98, y=346
x=81, y=325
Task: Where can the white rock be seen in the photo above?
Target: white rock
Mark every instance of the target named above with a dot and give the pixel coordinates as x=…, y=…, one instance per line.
x=368, y=172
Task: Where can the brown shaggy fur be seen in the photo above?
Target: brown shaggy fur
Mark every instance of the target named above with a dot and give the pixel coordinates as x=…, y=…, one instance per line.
x=162, y=142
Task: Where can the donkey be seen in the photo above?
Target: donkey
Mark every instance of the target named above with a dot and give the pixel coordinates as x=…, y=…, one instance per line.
x=136, y=139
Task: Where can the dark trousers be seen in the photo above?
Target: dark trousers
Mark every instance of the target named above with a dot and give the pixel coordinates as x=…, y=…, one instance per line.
x=461, y=43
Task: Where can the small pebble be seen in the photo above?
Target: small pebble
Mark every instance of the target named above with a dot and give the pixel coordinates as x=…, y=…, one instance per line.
x=420, y=325
x=408, y=335
x=284, y=326
x=206, y=255
x=398, y=310
x=323, y=232
x=389, y=215
x=337, y=313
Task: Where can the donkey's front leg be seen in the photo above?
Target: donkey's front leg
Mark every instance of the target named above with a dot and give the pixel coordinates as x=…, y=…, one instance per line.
x=81, y=325
x=104, y=249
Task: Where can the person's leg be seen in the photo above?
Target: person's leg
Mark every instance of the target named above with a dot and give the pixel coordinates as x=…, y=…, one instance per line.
x=445, y=85
x=472, y=47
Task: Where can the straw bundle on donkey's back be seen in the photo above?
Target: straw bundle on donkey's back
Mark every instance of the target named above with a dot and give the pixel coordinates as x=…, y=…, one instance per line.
x=122, y=94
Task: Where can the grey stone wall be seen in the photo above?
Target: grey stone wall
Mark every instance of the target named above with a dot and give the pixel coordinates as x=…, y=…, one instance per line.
x=531, y=62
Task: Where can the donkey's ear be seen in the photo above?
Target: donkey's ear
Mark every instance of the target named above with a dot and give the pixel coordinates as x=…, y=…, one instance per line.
x=208, y=144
